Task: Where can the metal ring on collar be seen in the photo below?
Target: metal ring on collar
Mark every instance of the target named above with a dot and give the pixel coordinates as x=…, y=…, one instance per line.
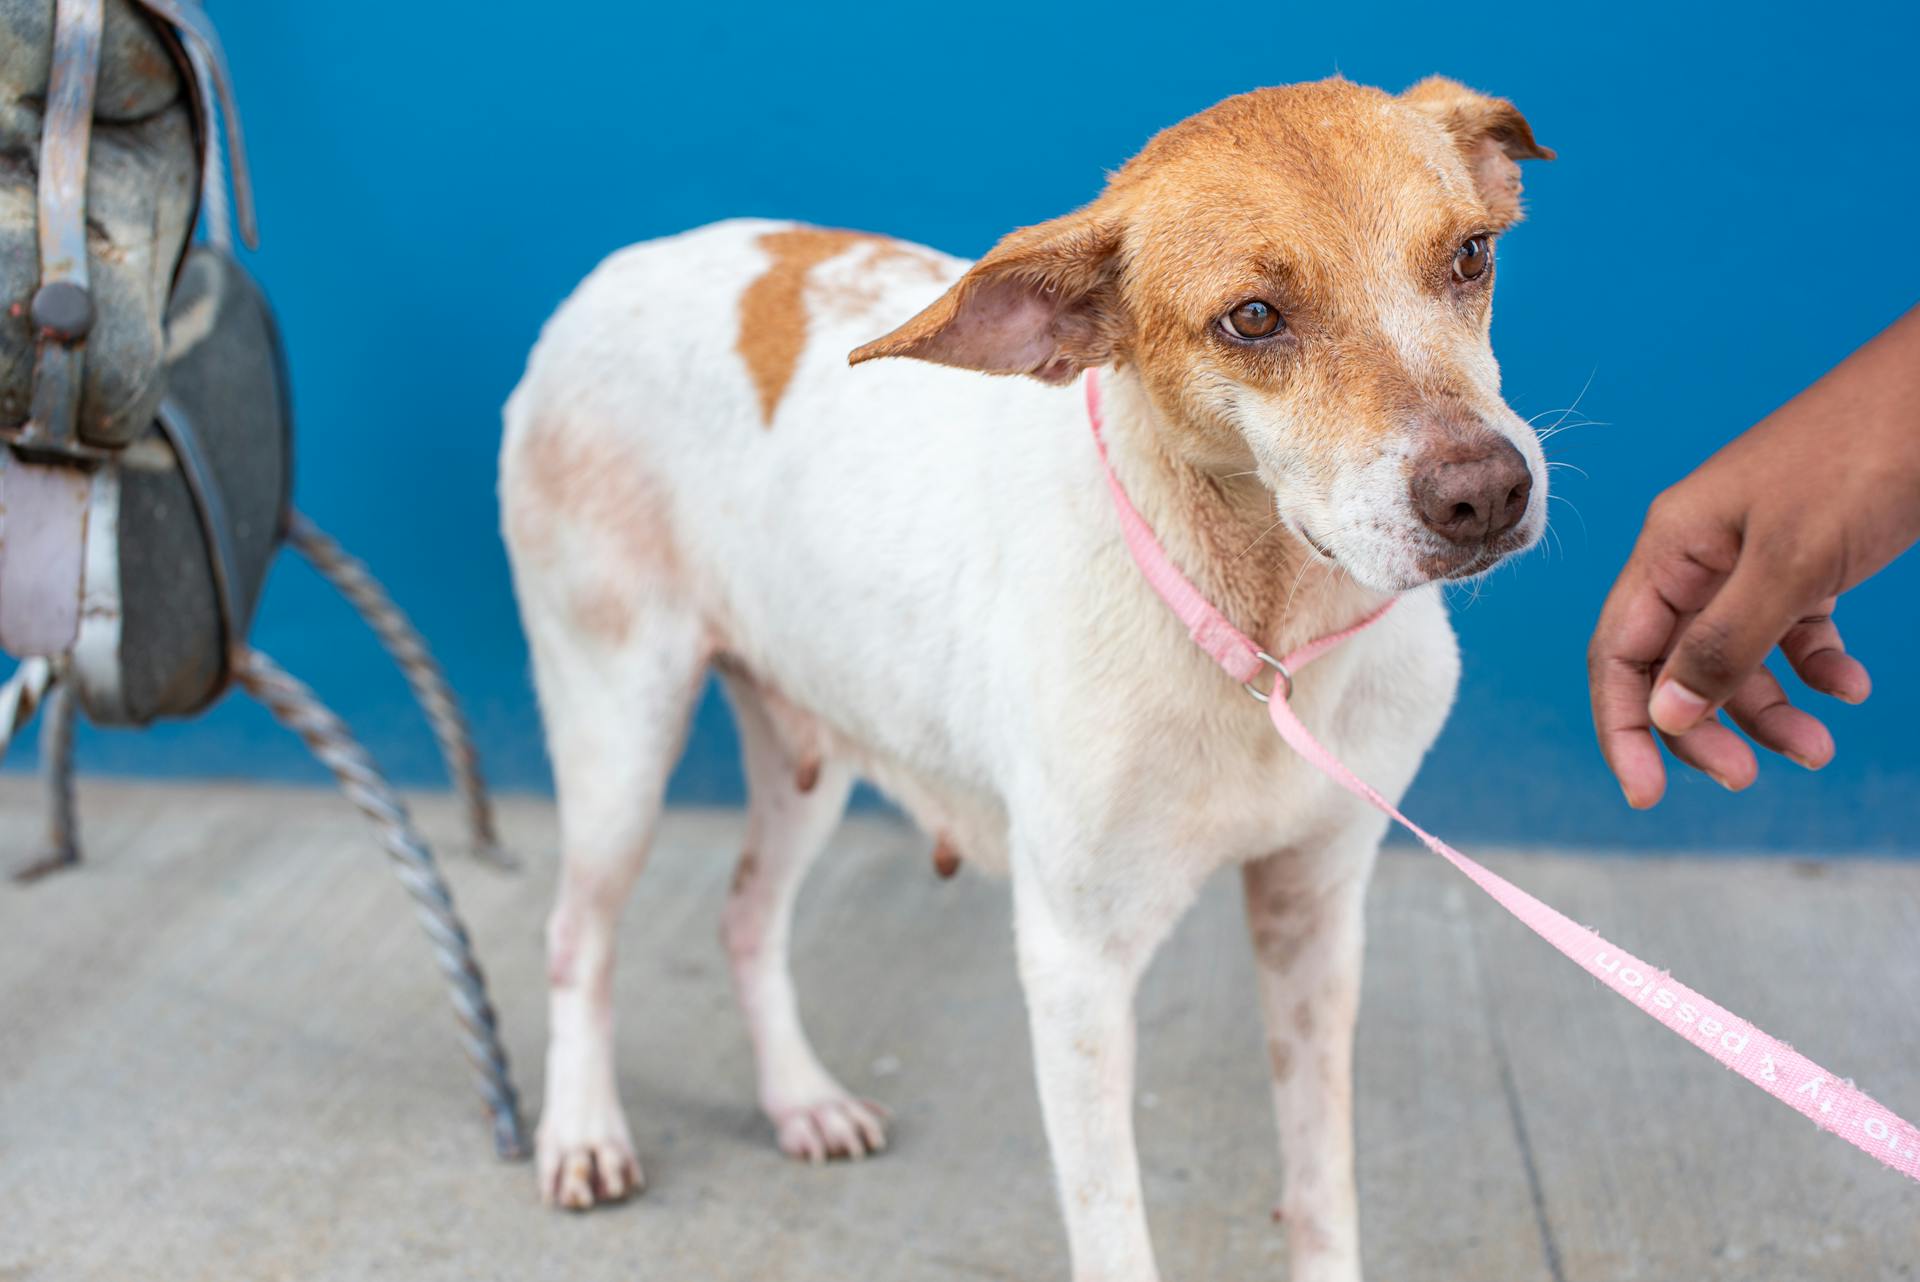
x=1282, y=684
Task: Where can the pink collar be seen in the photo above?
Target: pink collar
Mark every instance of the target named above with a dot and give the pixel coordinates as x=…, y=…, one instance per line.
x=1833, y=1104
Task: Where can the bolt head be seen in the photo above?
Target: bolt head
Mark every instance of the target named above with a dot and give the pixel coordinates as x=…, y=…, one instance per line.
x=63, y=310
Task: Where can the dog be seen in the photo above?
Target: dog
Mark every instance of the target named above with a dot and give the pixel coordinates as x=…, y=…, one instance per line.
x=905, y=571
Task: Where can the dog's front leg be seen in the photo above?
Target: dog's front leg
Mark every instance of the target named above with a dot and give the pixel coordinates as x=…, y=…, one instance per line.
x=1305, y=914
x=1085, y=935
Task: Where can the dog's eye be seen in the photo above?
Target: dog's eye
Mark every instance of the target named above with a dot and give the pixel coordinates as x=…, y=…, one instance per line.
x=1254, y=319
x=1471, y=260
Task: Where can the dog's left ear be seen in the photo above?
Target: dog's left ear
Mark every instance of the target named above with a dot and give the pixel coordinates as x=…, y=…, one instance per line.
x=1044, y=302
x=1491, y=135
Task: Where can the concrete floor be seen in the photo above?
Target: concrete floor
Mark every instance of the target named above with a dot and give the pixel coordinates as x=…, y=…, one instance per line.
x=224, y=1054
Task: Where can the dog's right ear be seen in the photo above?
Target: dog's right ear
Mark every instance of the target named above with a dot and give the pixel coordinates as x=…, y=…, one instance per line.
x=1492, y=137
x=1044, y=302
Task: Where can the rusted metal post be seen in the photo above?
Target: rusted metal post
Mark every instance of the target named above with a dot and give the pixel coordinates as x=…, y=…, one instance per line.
x=62, y=848
x=32, y=684
x=351, y=578
x=327, y=737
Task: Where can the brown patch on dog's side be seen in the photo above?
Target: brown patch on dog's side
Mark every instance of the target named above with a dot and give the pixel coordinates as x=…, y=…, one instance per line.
x=773, y=311
x=946, y=860
x=807, y=777
x=572, y=474
x=1280, y=1056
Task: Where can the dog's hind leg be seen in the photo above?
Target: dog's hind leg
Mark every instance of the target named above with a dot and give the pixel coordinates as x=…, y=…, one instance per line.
x=616, y=710
x=794, y=803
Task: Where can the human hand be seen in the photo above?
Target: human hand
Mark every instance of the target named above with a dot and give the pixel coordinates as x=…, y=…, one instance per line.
x=1748, y=553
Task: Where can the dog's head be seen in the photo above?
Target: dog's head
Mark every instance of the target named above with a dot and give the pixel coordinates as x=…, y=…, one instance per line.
x=1302, y=276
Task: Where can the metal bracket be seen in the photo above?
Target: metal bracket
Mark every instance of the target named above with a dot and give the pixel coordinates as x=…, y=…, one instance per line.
x=62, y=309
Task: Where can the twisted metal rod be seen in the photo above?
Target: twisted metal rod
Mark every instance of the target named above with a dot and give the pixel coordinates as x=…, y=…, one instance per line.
x=327, y=737
x=351, y=578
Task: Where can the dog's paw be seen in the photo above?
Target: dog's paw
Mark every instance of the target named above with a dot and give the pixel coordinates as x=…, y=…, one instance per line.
x=839, y=1126
x=579, y=1175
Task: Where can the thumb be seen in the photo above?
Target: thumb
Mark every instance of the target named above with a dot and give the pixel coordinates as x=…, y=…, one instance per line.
x=1724, y=644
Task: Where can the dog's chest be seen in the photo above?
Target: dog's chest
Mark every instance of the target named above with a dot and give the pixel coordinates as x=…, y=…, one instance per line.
x=1208, y=776
x=1177, y=761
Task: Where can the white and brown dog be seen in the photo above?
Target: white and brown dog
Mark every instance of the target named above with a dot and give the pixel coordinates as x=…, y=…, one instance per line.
x=912, y=573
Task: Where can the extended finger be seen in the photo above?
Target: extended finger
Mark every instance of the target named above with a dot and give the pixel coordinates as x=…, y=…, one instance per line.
x=1635, y=760
x=1760, y=707
x=1716, y=751
x=1634, y=630
x=1814, y=648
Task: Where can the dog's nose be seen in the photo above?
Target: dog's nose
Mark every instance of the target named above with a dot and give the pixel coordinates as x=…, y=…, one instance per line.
x=1473, y=493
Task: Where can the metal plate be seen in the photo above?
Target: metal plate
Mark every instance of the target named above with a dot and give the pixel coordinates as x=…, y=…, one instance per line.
x=43, y=535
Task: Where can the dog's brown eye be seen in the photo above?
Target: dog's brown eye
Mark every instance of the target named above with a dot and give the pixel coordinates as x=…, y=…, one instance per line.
x=1471, y=259
x=1254, y=319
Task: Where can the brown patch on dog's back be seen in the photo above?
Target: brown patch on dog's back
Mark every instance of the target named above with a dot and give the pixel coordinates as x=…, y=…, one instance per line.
x=774, y=316
x=773, y=311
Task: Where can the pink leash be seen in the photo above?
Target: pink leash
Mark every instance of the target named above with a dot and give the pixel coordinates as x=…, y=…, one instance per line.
x=1833, y=1104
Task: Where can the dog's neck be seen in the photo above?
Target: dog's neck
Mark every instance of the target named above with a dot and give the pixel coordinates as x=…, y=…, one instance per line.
x=1221, y=528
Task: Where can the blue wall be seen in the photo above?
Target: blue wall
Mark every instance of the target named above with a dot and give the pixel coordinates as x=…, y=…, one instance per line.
x=1732, y=212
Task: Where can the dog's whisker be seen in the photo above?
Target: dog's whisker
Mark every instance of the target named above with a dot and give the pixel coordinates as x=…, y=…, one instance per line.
x=1548, y=433
x=1566, y=412
x=1256, y=538
x=1576, y=510
x=1558, y=409
x=1306, y=563
x=1553, y=534
x=1557, y=423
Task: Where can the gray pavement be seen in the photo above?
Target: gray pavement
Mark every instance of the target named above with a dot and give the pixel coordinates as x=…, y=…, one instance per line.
x=225, y=1054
